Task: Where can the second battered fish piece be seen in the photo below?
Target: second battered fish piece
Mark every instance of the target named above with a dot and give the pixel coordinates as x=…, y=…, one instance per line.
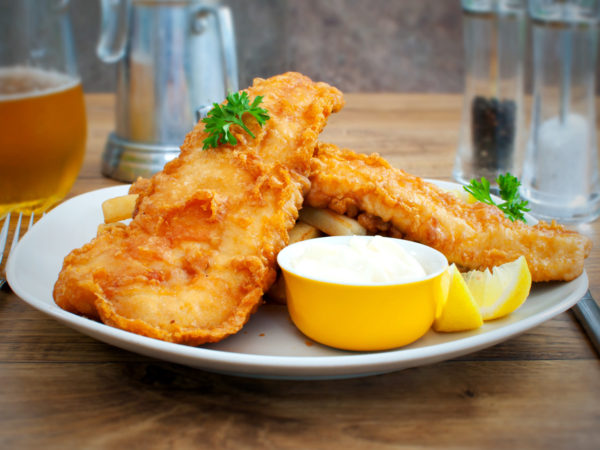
x=472, y=235
x=200, y=250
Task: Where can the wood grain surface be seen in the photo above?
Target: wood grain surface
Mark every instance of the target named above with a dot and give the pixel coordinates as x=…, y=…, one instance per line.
x=61, y=389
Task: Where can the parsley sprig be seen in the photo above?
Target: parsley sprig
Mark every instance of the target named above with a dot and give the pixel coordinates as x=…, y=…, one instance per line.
x=219, y=119
x=513, y=206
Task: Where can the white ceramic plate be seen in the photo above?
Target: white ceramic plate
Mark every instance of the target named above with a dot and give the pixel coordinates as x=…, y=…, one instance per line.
x=269, y=345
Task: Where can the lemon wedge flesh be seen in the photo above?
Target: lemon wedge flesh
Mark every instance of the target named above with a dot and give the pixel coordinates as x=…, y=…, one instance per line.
x=502, y=290
x=461, y=312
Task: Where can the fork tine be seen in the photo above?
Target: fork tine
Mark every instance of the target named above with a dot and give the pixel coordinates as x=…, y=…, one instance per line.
x=17, y=233
x=30, y=221
x=4, y=235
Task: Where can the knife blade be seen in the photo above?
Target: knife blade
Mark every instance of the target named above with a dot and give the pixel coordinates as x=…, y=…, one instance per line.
x=587, y=313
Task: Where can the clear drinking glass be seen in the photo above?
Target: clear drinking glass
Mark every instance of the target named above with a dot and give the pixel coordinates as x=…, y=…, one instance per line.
x=560, y=172
x=42, y=113
x=490, y=133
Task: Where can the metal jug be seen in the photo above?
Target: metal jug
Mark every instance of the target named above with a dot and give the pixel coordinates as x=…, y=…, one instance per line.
x=174, y=58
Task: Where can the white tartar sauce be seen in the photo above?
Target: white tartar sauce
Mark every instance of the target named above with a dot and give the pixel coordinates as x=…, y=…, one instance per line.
x=359, y=261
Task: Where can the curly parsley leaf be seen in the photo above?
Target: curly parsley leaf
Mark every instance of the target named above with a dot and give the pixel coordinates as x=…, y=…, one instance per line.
x=218, y=121
x=513, y=206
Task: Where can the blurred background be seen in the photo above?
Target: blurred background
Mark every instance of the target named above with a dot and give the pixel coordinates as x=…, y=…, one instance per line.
x=357, y=45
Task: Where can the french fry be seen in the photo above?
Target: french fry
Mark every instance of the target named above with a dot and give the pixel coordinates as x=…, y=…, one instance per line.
x=331, y=223
x=118, y=208
x=276, y=292
x=303, y=231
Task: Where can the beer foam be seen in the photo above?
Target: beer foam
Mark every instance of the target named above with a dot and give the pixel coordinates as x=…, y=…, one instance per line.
x=19, y=82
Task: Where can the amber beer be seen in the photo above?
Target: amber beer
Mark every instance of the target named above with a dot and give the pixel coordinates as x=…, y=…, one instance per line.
x=42, y=137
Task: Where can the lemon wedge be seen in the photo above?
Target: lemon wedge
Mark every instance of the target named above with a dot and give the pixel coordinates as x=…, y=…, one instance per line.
x=502, y=290
x=464, y=195
x=461, y=312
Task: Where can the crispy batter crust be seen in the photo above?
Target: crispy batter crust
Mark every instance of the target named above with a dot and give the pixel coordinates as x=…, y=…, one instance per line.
x=474, y=236
x=193, y=263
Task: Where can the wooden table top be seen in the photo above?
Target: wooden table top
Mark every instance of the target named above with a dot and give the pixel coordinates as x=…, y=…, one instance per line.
x=61, y=389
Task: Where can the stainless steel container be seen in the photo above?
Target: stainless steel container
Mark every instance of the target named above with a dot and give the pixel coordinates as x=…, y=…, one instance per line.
x=173, y=58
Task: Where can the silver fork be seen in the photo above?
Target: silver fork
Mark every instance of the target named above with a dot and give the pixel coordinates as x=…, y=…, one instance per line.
x=15, y=240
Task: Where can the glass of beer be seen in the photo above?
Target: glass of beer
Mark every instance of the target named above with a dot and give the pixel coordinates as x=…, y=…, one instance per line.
x=42, y=111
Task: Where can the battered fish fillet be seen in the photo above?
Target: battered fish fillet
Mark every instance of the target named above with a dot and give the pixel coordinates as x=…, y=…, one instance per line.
x=193, y=263
x=472, y=235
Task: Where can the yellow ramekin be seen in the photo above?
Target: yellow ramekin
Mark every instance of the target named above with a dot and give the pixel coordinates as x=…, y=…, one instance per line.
x=365, y=317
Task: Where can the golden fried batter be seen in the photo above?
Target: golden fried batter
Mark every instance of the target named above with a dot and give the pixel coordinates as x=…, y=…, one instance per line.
x=193, y=263
x=473, y=236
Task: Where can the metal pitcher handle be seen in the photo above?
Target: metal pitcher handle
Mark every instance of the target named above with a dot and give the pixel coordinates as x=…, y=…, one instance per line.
x=114, y=27
x=226, y=34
